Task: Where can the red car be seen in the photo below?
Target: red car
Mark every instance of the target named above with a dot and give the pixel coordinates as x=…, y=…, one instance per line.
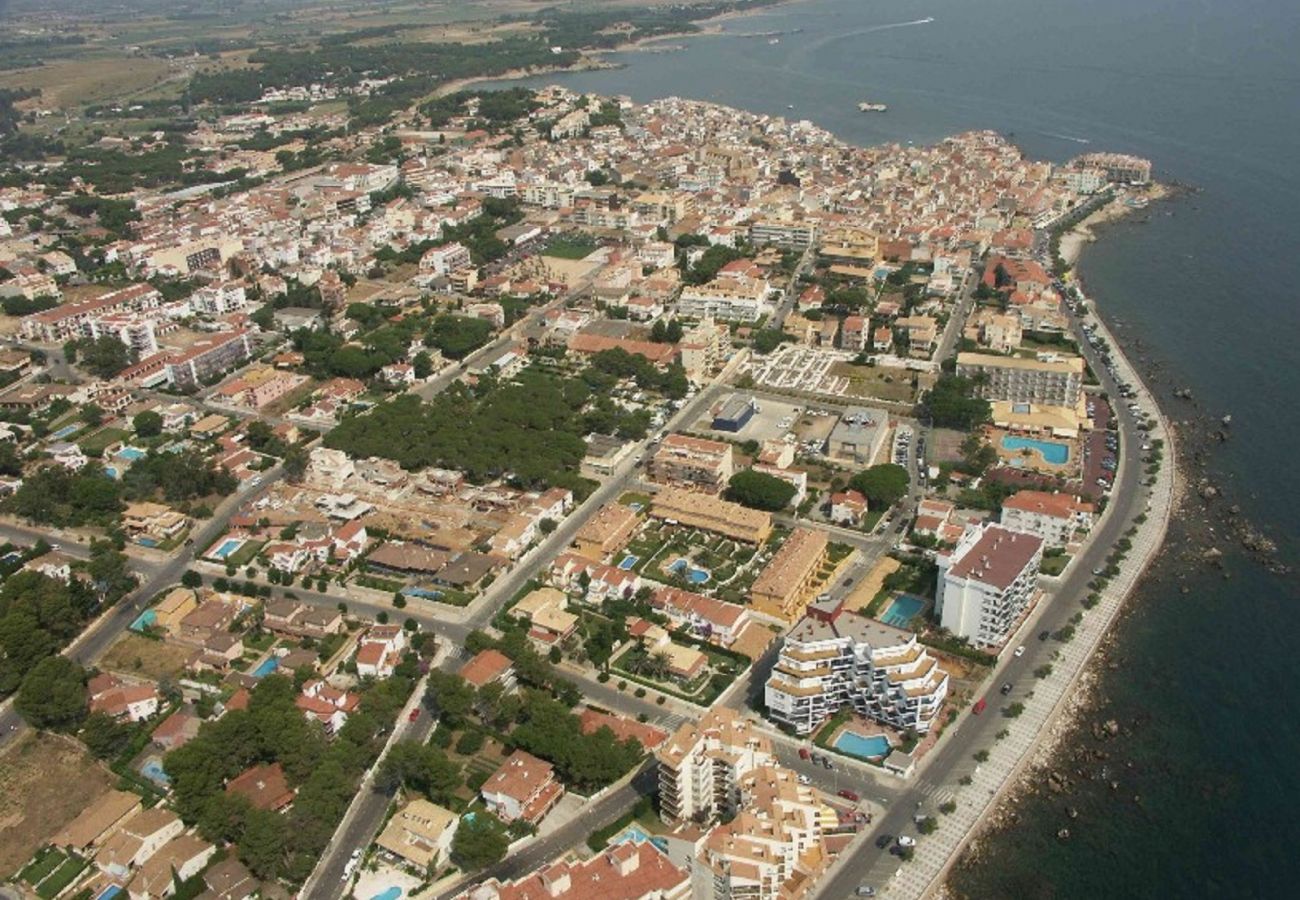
x=415, y=714
x=804, y=754
x=979, y=706
x=849, y=795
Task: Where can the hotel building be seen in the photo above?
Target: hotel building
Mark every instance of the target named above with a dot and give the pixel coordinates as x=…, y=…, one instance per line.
x=987, y=582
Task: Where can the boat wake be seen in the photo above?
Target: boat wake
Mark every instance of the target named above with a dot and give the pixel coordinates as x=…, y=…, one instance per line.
x=1065, y=137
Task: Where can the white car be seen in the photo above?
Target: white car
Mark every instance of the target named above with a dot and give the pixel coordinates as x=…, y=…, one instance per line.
x=804, y=779
x=1020, y=651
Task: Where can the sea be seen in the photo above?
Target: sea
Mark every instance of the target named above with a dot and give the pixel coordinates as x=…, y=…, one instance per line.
x=1198, y=792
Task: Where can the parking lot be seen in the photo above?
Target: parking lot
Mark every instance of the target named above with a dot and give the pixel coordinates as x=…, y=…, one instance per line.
x=1100, y=448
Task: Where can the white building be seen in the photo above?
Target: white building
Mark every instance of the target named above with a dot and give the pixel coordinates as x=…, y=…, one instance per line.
x=1059, y=519
x=845, y=659
x=700, y=766
x=987, y=582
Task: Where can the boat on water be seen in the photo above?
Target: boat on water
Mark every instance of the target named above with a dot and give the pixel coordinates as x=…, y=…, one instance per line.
x=866, y=106
x=775, y=41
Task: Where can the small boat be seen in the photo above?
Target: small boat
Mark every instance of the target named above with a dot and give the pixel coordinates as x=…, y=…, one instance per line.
x=775, y=41
x=866, y=106
x=789, y=106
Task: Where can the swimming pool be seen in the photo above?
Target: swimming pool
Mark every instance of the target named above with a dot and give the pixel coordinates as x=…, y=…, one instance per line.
x=855, y=744
x=130, y=453
x=228, y=546
x=266, y=667
x=153, y=770
x=628, y=562
x=903, y=610
x=109, y=892
x=681, y=567
x=65, y=431
x=426, y=593
x=146, y=619
x=391, y=893
x=111, y=472
x=1052, y=452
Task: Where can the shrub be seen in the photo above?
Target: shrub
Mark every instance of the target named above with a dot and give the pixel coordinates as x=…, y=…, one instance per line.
x=470, y=742
x=948, y=807
x=981, y=756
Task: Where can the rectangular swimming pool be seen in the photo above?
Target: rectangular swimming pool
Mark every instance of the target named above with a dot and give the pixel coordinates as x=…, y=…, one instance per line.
x=1056, y=454
x=131, y=453
x=266, y=667
x=228, y=546
x=854, y=744
x=903, y=610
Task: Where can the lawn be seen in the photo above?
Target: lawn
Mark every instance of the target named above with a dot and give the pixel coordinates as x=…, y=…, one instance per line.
x=66, y=874
x=570, y=246
x=246, y=553
x=145, y=658
x=1055, y=565
x=45, y=782
x=101, y=440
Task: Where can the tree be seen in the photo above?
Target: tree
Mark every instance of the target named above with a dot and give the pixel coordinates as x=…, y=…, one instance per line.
x=768, y=339
x=147, y=423
x=422, y=364
x=104, y=356
x=883, y=485
x=262, y=843
x=479, y=842
x=295, y=464
x=53, y=695
x=759, y=490
x=92, y=414
x=192, y=579
x=103, y=736
x=410, y=765
x=951, y=404
x=451, y=695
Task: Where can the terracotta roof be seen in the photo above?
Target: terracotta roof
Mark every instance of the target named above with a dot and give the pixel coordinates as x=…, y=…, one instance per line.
x=998, y=557
x=265, y=787
x=487, y=666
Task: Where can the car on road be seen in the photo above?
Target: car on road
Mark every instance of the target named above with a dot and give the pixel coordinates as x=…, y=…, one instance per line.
x=1020, y=651
x=865, y=890
x=804, y=779
x=415, y=714
x=884, y=841
x=1006, y=688
x=804, y=754
x=849, y=795
x=827, y=764
x=905, y=841
x=979, y=707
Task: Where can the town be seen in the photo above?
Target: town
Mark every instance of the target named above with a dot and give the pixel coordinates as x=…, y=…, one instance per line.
x=541, y=494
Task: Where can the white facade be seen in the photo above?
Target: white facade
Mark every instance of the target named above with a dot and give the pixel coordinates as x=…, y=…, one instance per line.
x=987, y=582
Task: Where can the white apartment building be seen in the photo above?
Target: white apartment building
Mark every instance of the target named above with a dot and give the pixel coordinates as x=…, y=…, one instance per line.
x=445, y=259
x=700, y=767
x=792, y=234
x=219, y=299
x=845, y=659
x=1055, y=381
x=1059, y=519
x=724, y=299
x=987, y=582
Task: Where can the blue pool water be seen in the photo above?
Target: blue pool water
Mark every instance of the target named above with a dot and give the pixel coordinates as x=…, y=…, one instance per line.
x=391, y=893
x=266, y=667
x=65, y=431
x=153, y=770
x=855, y=744
x=109, y=892
x=903, y=610
x=628, y=562
x=111, y=472
x=426, y=593
x=1054, y=453
x=130, y=453
x=145, y=620
x=228, y=546
x=692, y=574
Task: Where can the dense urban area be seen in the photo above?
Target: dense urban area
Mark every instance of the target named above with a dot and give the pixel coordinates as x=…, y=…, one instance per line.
x=411, y=488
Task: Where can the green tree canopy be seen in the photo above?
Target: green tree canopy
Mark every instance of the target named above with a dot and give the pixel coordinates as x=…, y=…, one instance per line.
x=53, y=695
x=759, y=490
x=882, y=485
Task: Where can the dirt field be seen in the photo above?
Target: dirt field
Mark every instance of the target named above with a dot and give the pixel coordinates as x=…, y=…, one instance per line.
x=871, y=584
x=881, y=383
x=157, y=659
x=70, y=82
x=45, y=782
x=945, y=445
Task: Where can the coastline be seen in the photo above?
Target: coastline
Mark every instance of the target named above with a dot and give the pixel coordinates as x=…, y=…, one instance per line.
x=1068, y=716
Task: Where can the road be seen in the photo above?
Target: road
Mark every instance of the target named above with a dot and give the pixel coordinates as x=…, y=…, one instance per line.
x=91, y=644
x=953, y=758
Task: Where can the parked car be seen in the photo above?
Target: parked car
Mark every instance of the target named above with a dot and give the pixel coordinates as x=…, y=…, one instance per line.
x=1020, y=651
x=415, y=714
x=804, y=779
x=905, y=841
x=1006, y=688
x=884, y=841
x=865, y=890
x=804, y=754
x=979, y=707
x=849, y=795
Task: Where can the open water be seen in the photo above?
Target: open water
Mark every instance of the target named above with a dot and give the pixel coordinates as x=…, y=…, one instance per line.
x=1203, y=291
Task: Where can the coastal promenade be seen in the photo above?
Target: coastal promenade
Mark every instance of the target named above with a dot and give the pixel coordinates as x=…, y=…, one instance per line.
x=1051, y=697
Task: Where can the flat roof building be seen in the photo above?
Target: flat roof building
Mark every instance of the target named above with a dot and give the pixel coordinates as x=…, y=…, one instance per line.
x=987, y=582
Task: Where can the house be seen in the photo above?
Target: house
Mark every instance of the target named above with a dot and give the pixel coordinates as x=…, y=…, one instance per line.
x=848, y=507
x=545, y=612
x=143, y=835
x=709, y=619
x=129, y=702
x=264, y=786
x=296, y=619
x=172, y=609
x=630, y=870
x=420, y=833
x=97, y=821
x=230, y=880
x=176, y=730
x=380, y=651
x=1059, y=519
x=219, y=650
x=592, y=720
x=179, y=859
x=147, y=522
x=489, y=666
x=326, y=704
x=523, y=788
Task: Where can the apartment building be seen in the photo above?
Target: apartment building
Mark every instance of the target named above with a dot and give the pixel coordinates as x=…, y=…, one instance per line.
x=986, y=582
x=727, y=299
x=524, y=787
x=843, y=659
x=703, y=348
x=705, y=617
x=693, y=462
x=420, y=833
x=1000, y=332
x=791, y=234
x=696, y=510
x=853, y=333
x=791, y=579
x=1119, y=167
x=1049, y=381
x=70, y=320
x=208, y=357
x=1059, y=519
x=701, y=765
x=773, y=849
x=629, y=870
x=607, y=531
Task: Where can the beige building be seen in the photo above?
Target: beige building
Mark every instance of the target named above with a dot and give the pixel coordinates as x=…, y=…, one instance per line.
x=1050, y=381
x=693, y=462
x=607, y=531
x=696, y=510
x=420, y=833
x=701, y=765
x=790, y=581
